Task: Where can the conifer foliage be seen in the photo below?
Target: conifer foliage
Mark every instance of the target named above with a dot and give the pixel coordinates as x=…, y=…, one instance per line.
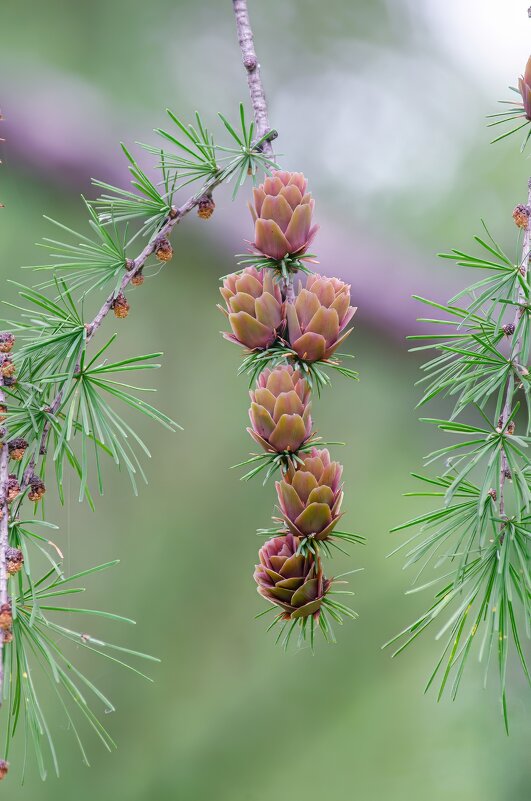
x=478, y=538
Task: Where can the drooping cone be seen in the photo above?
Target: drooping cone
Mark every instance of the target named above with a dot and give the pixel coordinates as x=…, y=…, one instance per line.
x=318, y=317
x=282, y=215
x=524, y=85
x=254, y=308
x=288, y=579
x=280, y=410
x=310, y=496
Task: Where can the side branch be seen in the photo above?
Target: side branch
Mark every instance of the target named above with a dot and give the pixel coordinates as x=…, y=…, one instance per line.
x=134, y=267
x=521, y=299
x=175, y=216
x=4, y=536
x=263, y=132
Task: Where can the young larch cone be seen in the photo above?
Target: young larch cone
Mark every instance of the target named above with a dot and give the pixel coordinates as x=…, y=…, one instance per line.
x=310, y=496
x=7, y=368
x=524, y=85
x=137, y=279
x=318, y=317
x=282, y=215
x=120, y=306
x=7, y=340
x=37, y=489
x=14, y=560
x=254, y=308
x=521, y=215
x=17, y=448
x=280, y=410
x=4, y=766
x=164, y=250
x=206, y=206
x=6, y=616
x=13, y=488
x=288, y=579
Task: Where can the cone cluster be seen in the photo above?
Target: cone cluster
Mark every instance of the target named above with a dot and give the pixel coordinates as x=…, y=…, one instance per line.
x=286, y=324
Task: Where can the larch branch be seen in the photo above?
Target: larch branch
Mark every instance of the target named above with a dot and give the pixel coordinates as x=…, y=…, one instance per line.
x=252, y=67
x=510, y=389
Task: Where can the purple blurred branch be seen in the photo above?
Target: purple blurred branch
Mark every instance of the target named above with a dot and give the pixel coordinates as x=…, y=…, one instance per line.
x=61, y=148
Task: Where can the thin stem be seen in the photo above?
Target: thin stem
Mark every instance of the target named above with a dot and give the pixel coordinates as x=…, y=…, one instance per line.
x=258, y=98
x=252, y=67
x=509, y=393
x=289, y=292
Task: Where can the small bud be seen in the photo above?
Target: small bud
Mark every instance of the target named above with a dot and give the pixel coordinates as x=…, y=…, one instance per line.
x=206, y=206
x=508, y=329
x=511, y=427
x=13, y=488
x=4, y=766
x=137, y=279
x=164, y=250
x=9, y=381
x=7, y=340
x=3, y=432
x=8, y=368
x=492, y=493
x=521, y=215
x=6, y=616
x=129, y=264
x=17, y=448
x=120, y=306
x=8, y=637
x=14, y=560
x=37, y=489
x=3, y=412
x=507, y=473
x=250, y=62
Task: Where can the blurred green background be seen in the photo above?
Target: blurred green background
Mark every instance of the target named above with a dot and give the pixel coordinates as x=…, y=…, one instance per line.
x=382, y=105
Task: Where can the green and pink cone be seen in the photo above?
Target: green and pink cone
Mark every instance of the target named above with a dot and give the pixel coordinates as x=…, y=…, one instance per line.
x=290, y=580
x=282, y=215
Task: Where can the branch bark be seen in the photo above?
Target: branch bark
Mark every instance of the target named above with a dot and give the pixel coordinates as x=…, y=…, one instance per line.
x=252, y=67
x=175, y=216
x=510, y=390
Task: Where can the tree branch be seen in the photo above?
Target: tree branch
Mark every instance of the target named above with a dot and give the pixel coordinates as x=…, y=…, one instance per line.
x=252, y=67
x=509, y=393
x=259, y=104
x=4, y=536
x=134, y=267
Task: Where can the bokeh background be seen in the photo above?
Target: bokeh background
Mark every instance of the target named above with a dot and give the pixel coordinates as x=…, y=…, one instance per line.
x=382, y=105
